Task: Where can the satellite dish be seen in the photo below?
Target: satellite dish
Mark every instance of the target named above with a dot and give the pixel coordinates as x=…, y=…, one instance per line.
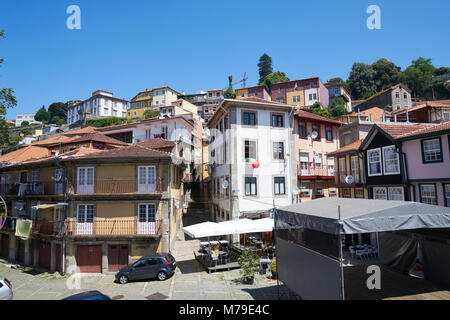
x=225, y=184
x=314, y=134
x=349, y=179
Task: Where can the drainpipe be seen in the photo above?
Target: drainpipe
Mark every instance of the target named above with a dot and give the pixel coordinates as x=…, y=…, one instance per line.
x=64, y=227
x=169, y=204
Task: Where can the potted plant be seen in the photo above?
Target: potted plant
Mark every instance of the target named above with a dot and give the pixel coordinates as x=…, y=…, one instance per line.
x=273, y=269
x=248, y=262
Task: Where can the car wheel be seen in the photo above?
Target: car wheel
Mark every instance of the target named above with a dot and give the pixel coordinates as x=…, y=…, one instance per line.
x=162, y=276
x=123, y=279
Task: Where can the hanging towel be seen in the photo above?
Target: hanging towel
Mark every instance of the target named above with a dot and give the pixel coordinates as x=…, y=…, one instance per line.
x=23, y=229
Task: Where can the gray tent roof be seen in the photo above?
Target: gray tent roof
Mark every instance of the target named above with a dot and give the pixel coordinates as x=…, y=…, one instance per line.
x=362, y=215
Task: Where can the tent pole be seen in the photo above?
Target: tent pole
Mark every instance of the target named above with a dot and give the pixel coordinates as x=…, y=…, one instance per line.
x=341, y=258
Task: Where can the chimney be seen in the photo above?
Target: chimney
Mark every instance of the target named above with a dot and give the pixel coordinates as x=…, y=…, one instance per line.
x=371, y=117
x=407, y=116
x=395, y=117
x=359, y=116
x=384, y=117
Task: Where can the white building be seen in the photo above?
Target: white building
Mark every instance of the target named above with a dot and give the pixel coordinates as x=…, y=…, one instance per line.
x=241, y=132
x=29, y=117
x=100, y=105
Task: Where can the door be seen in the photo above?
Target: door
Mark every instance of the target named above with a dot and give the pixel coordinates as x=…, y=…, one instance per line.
x=58, y=181
x=57, y=220
x=44, y=254
x=4, y=252
x=147, y=179
x=89, y=258
x=85, y=219
x=117, y=257
x=58, y=258
x=146, y=219
x=304, y=163
x=20, y=250
x=85, y=181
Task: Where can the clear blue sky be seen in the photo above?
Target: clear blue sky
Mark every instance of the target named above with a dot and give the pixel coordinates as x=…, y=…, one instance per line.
x=128, y=46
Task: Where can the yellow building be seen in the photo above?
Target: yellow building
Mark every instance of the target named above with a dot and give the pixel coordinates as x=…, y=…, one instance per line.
x=241, y=93
x=95, y=211
x=151, y=100
x=295, y=98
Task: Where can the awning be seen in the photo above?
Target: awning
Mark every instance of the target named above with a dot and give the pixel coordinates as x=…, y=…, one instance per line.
x=362, y=215
x=48, y=205
x=240, y=226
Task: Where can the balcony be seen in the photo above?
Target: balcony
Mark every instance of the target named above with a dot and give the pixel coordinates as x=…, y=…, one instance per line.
x=119, y=186
x=50, y=228
x=314, y=172
x=32, y=189
x=113, y=228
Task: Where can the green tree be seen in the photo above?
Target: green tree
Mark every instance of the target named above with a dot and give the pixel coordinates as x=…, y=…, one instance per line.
x=386, y=74
x=7, y=100
x=58, y=109
x=265, y=67
x=337, y=107
x=42, y=115
x=230, y=94
x=441, y=71
x=337, y=79
x=151, y=114
x=417, y=76
x=275, y=77
x=361, y=80
x=317, y=109
x=25, y=124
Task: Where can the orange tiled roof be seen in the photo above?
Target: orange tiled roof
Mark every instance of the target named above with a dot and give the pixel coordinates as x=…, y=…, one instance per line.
x=312, y=116
x=98, y=137
x=158, y=143
x=60, y=139
x=351, y=147
x=81, y=131
x=132, y=151
x=398, y=130
x=428, y=129
x=24, y=154
x=256, y=99
x=425, y=104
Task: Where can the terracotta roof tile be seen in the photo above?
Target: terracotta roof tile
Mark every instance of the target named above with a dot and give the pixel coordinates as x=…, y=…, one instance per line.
x=428, y=129
x=81, y=131
x=158, y=143
x=397, y=130
x=350, y=147
x=424, y=104
x=98, y=137
x=312, y=116
x=24, y=154
x=60, y=139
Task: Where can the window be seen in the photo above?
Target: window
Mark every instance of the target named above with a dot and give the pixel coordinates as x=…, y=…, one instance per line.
x=374, y=162
x=319, y=188
x=329, y=133
x=302, y=129
x=85, y=213
x=359, y=193
x=279, y=185
x=304, y=189
x=391, y=160
x=447, y=194
x=278, y=150
x=318, y=160
x=379, y=194
x=249, y=150
x=304, y=163
x=431, y=150
x=332, y=191
x=330, y=165
x=147, y=212
x=397, y=95
x=277, y=120
x=342, y=170
x=249, y=118
x=354, y=168
x=396, y=193
x=250, y=186
x=346, y=193
x=405, y=96
x=428, y=194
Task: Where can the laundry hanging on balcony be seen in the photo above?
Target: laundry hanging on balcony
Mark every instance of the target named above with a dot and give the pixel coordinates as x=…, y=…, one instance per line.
x=23, y=229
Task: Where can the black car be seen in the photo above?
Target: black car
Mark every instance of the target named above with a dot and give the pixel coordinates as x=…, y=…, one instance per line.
x=89, y=295
x=159, y=266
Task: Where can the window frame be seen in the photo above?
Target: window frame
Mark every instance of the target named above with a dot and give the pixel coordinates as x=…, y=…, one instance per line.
x=279, y=187
x=279, y=116
x=435, y=192
x=384, y=160
x=380, y=162
x=424, y=161
x=251, y=183
x=249, y=112
x=300, y=125
x=380, y=188
x=282, y=153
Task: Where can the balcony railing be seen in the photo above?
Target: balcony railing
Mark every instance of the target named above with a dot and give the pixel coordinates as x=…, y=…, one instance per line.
x=112, y=228
x=32, y=188
x=119, y=186
x=324, y=172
